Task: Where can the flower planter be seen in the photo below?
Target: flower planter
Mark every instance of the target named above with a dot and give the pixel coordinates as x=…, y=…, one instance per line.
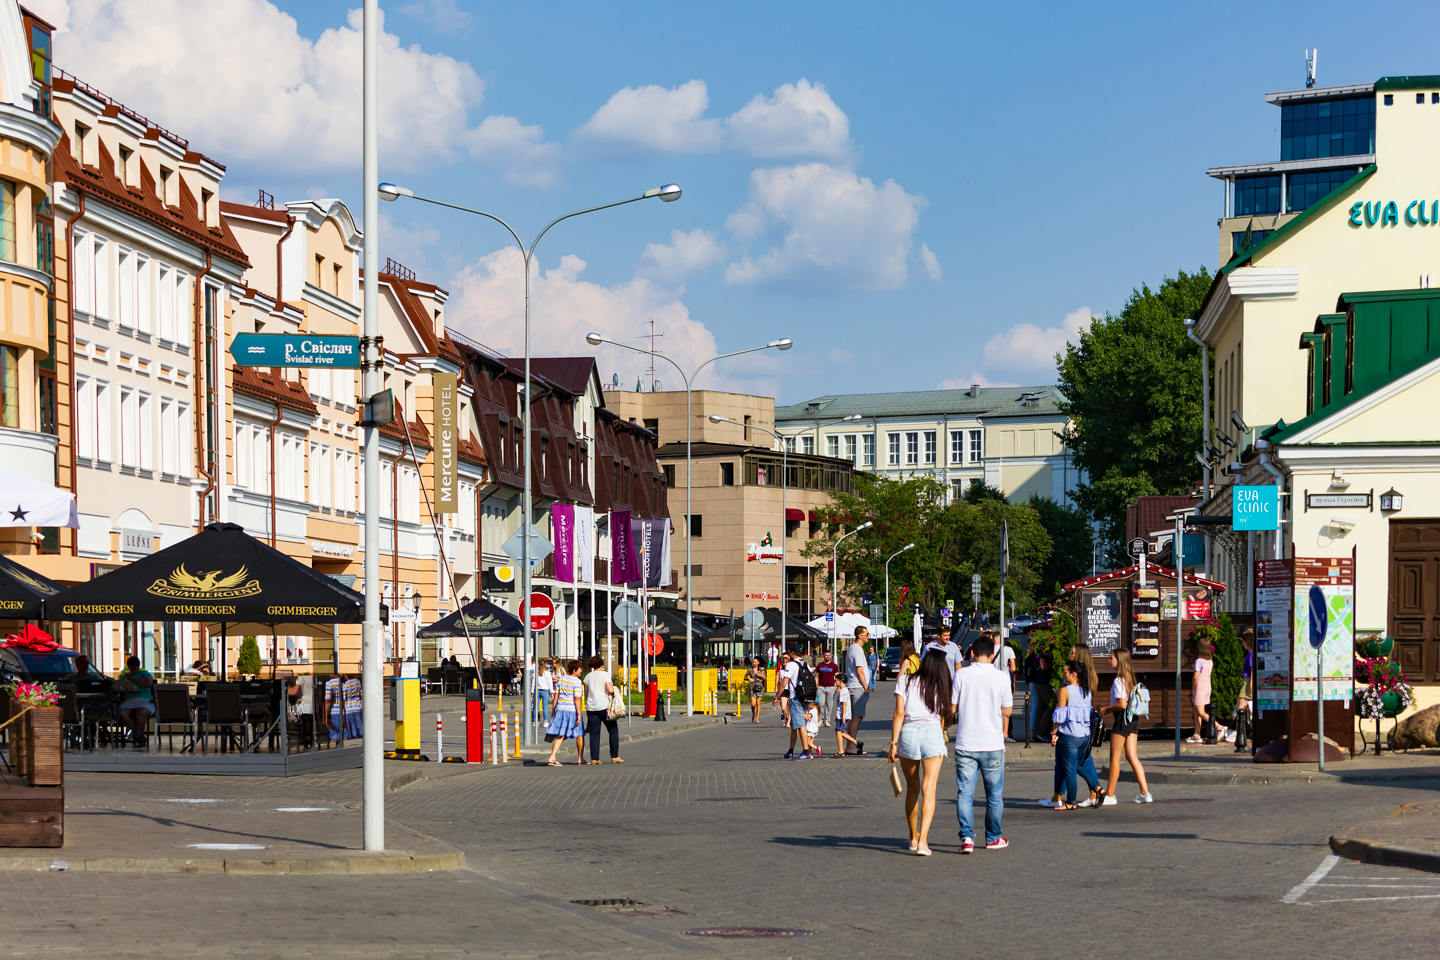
x=43, y=747
x=1391, y=702
x=16, y=733
x=1377, y=646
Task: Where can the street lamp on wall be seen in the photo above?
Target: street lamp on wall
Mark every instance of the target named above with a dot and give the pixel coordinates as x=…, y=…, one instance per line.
x=1391, y=501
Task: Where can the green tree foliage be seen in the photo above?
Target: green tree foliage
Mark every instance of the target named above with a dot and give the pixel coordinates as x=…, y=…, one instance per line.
x=247, y=661
x=1071, y=538
x=1229, y=664
x=952, y=542
x=980, y=490
x=1132, y=393
x=1056, y=641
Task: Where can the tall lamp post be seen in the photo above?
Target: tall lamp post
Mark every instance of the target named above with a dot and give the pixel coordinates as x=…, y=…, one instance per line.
x=784, y=531
x=834, y=578
x=908, y=546
x=595, y=339
x=389, y=191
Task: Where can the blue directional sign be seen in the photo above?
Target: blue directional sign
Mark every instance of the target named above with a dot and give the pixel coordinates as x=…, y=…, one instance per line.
x=295, y=350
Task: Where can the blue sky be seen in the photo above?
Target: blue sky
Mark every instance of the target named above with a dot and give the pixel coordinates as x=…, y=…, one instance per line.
x=919, y=195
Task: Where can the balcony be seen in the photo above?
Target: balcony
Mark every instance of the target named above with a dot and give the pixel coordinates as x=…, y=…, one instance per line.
x=29, y=453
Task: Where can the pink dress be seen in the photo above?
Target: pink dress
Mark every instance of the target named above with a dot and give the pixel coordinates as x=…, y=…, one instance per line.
x=1201, y=693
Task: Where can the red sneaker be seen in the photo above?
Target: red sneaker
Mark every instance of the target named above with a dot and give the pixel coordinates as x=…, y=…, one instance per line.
x=999, y=843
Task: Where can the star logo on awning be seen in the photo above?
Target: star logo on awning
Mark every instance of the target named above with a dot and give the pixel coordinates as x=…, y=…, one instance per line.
x=19, y=514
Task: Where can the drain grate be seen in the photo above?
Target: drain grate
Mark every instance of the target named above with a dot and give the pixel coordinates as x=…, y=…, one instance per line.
x=611, y=902
x=747, y=933
x=726, y=799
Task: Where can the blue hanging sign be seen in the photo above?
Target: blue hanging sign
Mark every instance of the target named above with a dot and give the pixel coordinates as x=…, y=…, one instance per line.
x=1254, y=507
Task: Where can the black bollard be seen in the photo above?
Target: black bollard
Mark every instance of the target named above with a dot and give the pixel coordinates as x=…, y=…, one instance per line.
x=1242, y=729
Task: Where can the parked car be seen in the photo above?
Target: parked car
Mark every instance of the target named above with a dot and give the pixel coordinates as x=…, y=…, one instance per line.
x=19, y=663
x=1021, y=624
x=889, y=665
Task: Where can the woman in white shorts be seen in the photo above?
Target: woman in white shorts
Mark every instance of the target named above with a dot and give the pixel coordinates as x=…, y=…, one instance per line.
x=917, y=740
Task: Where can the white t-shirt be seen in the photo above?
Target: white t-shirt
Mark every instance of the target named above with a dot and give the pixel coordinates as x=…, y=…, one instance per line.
x=1004, y=657
x=595, y=696
x=842, y=704
x=546, y=681
x=792, y=671
x=979, y=694
x=908, y=690
x=856, y=665
x=1118, y=692
x=812, y=721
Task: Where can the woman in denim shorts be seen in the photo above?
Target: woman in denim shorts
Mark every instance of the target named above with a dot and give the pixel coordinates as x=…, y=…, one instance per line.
x=917, y=740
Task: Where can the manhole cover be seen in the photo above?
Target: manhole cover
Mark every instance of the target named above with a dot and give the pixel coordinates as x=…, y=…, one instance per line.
x=727, y=799
x=747, y=933
x=611, y=902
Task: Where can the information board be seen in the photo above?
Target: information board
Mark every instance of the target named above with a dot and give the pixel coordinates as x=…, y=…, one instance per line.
x=1335, y=580
x=1100, y=621
x=1274, y=602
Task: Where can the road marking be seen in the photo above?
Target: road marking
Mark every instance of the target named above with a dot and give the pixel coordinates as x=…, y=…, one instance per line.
x=1316, y=875
x=1416, y=896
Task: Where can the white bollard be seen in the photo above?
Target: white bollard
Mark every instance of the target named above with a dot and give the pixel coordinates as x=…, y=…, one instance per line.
x=504, y=740
x=494, y=745
x=439, y=740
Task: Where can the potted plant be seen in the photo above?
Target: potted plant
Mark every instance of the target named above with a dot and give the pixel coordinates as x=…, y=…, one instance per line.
x=1387, y=693
x=36, y=745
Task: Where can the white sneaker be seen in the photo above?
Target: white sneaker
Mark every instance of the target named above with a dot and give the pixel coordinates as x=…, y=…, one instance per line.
x=1047, y=802
x=1144, y=798
x=1109, y=801
x=1087, y=802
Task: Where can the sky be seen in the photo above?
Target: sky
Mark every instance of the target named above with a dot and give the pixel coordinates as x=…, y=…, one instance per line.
x=920, y=195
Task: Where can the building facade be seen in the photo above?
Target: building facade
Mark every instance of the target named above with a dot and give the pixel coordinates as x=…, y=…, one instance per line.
x=1325, y=337
x=1007, y=437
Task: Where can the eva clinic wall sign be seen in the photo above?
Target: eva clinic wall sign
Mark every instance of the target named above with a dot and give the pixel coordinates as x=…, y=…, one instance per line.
x=1255, y=507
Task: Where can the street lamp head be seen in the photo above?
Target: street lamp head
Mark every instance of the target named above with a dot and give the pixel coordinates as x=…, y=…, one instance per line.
x=594, y=339
x=716, y=418
x=909, y=546
x=669, y=193
x=393, y=191
x=867, y=523
x=852, y=418
x=784, y=343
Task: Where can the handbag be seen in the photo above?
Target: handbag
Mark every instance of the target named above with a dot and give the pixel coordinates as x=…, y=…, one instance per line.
x=617, y=708
x=895, y=783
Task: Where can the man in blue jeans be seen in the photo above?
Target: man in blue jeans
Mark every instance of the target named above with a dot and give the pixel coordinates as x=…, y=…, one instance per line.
x=982, y=701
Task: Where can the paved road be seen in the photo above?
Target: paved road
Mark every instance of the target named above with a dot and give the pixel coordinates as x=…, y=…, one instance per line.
x=712, y=829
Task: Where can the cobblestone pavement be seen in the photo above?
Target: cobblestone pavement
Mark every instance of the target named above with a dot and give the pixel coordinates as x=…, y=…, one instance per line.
x=711, y=829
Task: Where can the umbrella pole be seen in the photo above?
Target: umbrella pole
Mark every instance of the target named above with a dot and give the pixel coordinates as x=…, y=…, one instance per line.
x=224, y=649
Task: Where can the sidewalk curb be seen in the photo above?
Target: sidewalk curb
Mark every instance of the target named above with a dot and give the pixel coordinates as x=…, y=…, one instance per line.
x=1384, y=854
x=1261, y=776
x=358, y=865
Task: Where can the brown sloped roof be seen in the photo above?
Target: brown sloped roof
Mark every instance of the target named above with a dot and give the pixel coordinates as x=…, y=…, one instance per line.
x=570, y=373
x=419, y=434
x=1147, y=514
x=420, y=318
x=472, y=451
x=275, y=389
x=258, y=213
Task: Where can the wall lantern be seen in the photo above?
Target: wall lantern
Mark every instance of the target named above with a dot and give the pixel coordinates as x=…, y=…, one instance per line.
x=1392, y=500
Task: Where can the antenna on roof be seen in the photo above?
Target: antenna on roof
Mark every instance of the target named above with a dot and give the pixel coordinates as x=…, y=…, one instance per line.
x=1310, y=57
x=615, y=380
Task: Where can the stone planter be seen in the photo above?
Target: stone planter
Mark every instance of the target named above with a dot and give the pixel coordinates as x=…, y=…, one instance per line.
x=44, y=753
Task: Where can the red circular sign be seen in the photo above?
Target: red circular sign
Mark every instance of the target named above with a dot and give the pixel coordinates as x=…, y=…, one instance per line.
x=541, y=610
x=654, y=643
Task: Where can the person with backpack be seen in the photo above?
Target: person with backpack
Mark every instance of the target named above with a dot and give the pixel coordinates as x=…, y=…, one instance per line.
x=791, y=694
x=1129, y=701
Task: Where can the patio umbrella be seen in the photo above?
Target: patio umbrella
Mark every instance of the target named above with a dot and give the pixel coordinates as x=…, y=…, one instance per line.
x=478, y=618
x=221, y=575
x=22, y=590
x=846, y=623
x=669, y=622
x=36, y=504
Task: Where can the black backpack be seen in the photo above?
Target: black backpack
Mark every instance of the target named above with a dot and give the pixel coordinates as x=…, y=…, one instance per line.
x=806, y=682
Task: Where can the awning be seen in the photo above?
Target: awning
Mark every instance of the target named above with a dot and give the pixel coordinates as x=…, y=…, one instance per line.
x=29, y=503
x=793, y=515
x=814, y=517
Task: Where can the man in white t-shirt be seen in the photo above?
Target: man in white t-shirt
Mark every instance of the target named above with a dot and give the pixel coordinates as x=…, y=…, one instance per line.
x=1005, y=662
x=787, y=681
x=982, y=700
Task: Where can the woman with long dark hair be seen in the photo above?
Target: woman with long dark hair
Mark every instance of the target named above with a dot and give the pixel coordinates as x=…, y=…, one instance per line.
x=917, y=740
x=909, y=660
x=1070, y=736
x=1087, y=678
x=1125, y=733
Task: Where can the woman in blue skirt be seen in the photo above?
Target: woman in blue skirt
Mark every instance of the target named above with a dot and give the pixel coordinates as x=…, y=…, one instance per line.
x=565, y=721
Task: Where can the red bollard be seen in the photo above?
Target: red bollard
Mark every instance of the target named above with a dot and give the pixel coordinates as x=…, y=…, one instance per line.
x=652, y=698
x=474, y=726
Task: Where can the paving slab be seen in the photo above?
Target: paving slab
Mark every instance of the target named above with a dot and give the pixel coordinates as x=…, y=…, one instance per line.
x=1408, y=836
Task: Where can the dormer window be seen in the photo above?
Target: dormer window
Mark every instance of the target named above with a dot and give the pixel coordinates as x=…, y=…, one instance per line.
x=124, y=167
x=167, y=176
x=81, y=144
x=207, y=202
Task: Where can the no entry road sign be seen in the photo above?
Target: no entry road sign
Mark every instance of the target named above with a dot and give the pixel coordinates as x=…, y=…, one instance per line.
x=541, y=610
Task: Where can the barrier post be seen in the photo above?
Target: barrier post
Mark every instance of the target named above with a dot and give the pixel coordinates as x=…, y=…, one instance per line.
x=517, y=755
x=439, y=740
x=504, y=739
x=494, y=745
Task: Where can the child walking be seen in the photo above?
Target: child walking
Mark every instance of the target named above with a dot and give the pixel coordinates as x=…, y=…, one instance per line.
x=812, y=727
x=842, y=717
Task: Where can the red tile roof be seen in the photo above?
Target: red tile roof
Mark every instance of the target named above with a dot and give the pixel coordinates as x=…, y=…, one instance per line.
x=275, y=389
x=1147, y=514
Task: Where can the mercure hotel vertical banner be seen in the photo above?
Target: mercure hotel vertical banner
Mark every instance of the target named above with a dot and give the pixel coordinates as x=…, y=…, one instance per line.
x=562, y=529
x=623, y=568
x=654, y=537
x=584, y=544
x=445, y=405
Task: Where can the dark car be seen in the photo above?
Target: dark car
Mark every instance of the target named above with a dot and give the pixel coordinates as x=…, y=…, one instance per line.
x=19, y=663
x=889, y=664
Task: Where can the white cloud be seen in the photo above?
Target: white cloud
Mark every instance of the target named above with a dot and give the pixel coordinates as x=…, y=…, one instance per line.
x=1026, y=346
x=831, y=229
x=671, y=120
x=684, y=254
x=504, y=141
x=975, y=379
x=931, y=264
x=237, y=78
x=798, y=120
x=408, y=244
x=442, y=14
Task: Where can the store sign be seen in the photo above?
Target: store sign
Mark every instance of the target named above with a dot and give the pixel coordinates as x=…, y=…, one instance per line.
x=137, y=541
x=1319, y=500
x=326, y=548
x=1100, y=621
x=445, y=408
x=1386, y=213
x=1255, y=507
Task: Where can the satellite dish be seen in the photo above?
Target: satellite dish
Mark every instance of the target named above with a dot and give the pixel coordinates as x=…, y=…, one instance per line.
x=614, y=379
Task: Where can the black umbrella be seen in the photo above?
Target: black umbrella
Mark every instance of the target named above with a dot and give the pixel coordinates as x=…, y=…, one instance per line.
x=22, y=590
x=480, y=617
x=670, y=622
x=221, y=575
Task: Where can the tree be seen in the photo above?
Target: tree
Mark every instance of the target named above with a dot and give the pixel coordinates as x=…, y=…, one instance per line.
x=247, y=661
x=980, y=490
x=1071, y=539
x=1132, y=392
x=1229, y=664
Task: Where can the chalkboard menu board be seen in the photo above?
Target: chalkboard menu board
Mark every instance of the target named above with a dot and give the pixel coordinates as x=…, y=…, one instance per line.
x=1100, y=624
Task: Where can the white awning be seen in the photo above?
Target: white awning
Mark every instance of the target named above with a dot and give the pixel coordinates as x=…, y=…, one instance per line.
x=28, y=503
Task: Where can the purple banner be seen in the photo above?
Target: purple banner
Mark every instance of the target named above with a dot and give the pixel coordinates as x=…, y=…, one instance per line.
x=623, y=568
x=653, y=536
x=562, y=531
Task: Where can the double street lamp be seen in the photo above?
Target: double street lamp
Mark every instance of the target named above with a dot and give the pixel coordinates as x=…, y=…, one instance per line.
x=389, y=191
x=834, y=577
x=595, y=340
x=888, y=604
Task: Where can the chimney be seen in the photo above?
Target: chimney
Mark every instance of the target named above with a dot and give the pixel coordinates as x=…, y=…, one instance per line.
x=974, y=389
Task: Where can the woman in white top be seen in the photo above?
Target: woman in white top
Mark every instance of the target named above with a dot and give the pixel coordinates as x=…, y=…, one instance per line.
x=1125, y=733
x=545, y=686
x=598, y=691
x=917, y=739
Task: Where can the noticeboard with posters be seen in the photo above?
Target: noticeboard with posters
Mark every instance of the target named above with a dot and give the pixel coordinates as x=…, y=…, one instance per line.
x=1274, y=592
x=1101, y=624
x=1325, y=587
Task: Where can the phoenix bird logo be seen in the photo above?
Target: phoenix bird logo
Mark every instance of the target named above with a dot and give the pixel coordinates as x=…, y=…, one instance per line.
x=212, y=584
x=207, y=582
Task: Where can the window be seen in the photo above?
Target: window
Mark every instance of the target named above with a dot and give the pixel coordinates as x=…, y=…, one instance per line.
x=1256, y=196
x=807, y=444
x=168, y=437
x=83, y=273
x=104, y=421
x=653, y=425
x=1237, y=239
x=957, y=490
x=183, y=446
x=166, y=195
x=1304, y=190
x=1328, y=128
x=850, y=447
x=867, y=446
x=957, y=446
x=7, y=220
x=123, y=169
x=669, y=471
x=165, y=291
x=44, y=234
x=103, y=298
x=1419, y=98
x=696, y=524
x=143, y=320
x=319, y=269
x=930, y=446
x=893, y=454
x=745, y=433
x=912, y=447
x=1389, y=99
x=10, y=385
x=727, y=474
x=832, y=445
x=977, y=446
x=182, y=297
x=84, y=417
x=145, y=452
x=129, y=428
x=125, y=314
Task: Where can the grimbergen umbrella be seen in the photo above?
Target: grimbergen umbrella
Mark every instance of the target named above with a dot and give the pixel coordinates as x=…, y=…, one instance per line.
x=22, y=590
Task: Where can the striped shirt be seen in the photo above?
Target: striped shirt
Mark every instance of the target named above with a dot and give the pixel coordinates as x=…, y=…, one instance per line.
x=567, y=689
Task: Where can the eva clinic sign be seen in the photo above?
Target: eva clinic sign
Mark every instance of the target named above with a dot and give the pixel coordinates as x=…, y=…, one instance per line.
x=1255, y=507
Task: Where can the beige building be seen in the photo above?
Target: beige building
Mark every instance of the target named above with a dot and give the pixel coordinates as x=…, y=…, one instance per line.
x=737, y=500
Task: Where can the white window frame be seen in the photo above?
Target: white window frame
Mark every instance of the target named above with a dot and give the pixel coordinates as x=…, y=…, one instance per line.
x=957, y=446
x=931, y=437
x=912, y=448
x=892, y=452
x=145, y=412
x=85, y=417
x=103, y=304
x=977, y=446
x=144, y=320
x=125, y=272
x=832, y=445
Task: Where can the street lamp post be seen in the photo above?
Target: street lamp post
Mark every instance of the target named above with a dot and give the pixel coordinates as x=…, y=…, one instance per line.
x=908, y=546
x=834, y=577
x=389, y=191
x=595, y=339
x=784, y=531
x=816, y=425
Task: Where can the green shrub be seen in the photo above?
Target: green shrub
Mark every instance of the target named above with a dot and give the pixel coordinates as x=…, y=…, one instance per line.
x=1229, y=664
x=1056, y=642
x=248, y=660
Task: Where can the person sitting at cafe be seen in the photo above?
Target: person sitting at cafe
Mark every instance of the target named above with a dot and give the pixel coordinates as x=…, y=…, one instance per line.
x=137, y=699
x=200, y=668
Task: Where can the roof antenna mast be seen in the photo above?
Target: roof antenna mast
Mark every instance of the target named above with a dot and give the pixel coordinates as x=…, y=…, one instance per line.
x=1310, y=57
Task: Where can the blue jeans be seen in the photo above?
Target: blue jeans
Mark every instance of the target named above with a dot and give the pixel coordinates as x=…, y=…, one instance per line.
x=544, y=705
x=991, y=766
x=1073, y=754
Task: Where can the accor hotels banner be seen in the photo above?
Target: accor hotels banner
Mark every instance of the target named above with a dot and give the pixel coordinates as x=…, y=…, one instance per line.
x=653, y=535
x=445, y=409
x=562, y=530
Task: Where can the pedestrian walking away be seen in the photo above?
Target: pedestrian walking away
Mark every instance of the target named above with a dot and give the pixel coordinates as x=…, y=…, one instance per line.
x=981, y=702
x=1070, y=736
x=857, y=681
x=842, y=720
x=755, y=684
x=922, y=707
x=598, y=691
x=909, y=661
x=1125, y=733
x=792, y=709
x=1200, y=693
x=825, y=673
x=565, y=720
x=544, y=688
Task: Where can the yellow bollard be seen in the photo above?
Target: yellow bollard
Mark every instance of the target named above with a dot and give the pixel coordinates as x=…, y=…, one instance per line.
x=516, y=754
